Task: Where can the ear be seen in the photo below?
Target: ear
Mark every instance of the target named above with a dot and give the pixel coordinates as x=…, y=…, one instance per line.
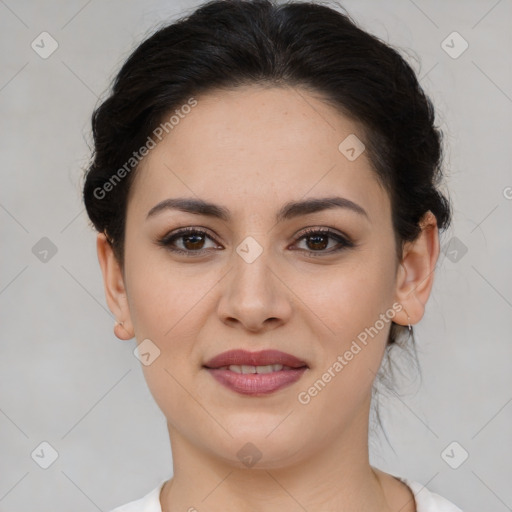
x=415, y=275
x=115, y=291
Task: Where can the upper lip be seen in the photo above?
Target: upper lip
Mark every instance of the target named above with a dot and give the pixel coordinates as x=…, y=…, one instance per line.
x=262, y=358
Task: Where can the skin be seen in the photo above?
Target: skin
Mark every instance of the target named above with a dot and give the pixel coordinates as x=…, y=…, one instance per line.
x=252, y=150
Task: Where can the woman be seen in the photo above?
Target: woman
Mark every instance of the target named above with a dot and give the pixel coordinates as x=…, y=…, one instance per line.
x=265, y=188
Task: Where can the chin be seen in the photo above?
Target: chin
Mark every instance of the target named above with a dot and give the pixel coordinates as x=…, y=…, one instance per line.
x=257, y=449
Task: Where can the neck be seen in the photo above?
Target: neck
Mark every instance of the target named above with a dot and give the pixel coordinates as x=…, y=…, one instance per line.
x=335, y=476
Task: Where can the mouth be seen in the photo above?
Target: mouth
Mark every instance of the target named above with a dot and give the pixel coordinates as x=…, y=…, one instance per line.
x=255, y=373
x=248, y=360
x=247, y=369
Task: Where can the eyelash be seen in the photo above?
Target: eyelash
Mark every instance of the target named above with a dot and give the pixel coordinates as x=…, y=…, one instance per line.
x=168, y=239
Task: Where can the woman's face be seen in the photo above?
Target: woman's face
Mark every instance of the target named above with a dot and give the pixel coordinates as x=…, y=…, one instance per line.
x=253, y=281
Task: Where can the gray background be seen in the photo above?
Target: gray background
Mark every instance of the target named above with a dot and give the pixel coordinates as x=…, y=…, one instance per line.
x=67, y=380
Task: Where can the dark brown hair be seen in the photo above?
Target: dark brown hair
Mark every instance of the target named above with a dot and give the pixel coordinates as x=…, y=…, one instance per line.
x=230, y=43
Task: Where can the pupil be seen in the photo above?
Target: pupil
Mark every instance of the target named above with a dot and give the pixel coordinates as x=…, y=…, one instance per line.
x=187, y=239
x=316, y=237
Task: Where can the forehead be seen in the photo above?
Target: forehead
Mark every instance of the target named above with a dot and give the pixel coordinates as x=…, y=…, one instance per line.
x=251, y=147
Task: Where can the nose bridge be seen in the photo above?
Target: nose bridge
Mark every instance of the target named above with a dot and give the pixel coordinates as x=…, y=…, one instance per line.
x=252, y=293
x=251, y=279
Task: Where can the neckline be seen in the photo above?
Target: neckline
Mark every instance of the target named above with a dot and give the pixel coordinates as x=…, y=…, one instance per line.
x=412, y=486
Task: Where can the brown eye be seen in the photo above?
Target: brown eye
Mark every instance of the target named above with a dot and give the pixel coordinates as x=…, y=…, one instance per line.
x=192, y=240
x=317, y=241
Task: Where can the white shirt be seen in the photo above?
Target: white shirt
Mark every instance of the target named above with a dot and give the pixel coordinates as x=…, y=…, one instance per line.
x=426, y=501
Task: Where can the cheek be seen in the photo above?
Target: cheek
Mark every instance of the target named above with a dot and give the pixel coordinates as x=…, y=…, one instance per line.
x=168, y=314
x=353, y=314
x=166, y=308
x=161, y=293
x=349, y=297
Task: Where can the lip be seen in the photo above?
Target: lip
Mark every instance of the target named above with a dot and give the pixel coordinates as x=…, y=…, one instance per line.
x=255, y=384
x=262, y=358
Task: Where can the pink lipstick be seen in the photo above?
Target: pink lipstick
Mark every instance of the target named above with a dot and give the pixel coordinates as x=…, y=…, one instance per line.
x=255, y=373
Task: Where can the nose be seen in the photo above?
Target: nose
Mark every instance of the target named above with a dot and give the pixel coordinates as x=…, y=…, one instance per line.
x=254, y=296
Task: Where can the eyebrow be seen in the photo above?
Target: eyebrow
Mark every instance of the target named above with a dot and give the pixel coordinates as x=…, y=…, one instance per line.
x=289, y=211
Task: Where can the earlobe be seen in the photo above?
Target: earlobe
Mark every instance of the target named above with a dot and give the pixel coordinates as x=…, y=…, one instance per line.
x=115, y=292
x=415, y=276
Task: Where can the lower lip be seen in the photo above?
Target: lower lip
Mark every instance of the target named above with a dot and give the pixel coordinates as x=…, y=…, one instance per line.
x=256, y=383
